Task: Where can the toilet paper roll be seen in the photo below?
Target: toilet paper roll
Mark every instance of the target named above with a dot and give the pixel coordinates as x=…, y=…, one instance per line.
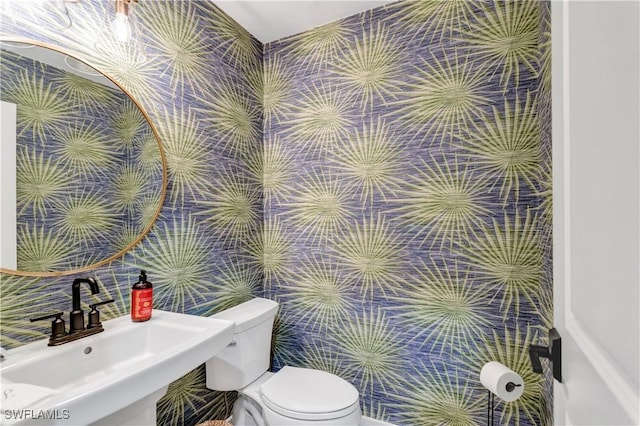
x=506, y=384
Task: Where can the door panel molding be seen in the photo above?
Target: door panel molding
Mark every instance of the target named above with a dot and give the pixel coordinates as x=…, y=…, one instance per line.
x=608, y=371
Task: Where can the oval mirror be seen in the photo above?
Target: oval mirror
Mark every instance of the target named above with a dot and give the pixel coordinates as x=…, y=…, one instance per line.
x=82, y=170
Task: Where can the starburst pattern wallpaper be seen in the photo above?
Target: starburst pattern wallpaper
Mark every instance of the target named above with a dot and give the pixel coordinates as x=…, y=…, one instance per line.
x=88, y=170
x=386, y=178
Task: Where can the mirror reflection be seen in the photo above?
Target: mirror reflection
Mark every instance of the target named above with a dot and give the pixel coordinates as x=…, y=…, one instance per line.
x=82, y=171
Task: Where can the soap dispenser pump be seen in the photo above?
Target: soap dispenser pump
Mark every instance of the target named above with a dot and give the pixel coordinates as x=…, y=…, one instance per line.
x=141, y=299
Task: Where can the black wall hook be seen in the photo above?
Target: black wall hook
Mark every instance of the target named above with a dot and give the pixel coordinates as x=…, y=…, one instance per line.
x=553, y=353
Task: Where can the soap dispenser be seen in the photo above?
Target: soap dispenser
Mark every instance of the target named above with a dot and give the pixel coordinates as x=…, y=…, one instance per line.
x=141, y=299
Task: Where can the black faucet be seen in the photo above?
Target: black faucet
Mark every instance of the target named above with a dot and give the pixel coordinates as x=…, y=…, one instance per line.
x=76, y=317
x=77, y=329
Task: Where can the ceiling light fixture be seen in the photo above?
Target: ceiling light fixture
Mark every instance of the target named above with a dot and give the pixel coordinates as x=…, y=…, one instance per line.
x=121, y=26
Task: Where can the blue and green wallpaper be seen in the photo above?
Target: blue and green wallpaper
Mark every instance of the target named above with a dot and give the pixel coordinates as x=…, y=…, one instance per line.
x=386, y=178
x=87, y=171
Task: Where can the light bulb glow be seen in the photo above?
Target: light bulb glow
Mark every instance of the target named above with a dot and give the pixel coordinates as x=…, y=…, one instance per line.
x=121, y=27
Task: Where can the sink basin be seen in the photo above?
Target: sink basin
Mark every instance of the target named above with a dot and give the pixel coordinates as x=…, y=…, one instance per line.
x=111, y=378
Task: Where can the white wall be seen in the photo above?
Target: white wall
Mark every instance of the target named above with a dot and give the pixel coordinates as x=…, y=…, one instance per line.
x=8, y=243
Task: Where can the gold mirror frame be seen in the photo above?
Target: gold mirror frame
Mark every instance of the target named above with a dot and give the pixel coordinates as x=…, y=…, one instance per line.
x=163, y=160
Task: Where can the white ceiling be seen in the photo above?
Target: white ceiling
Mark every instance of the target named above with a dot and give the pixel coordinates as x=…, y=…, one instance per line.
x=270, y=20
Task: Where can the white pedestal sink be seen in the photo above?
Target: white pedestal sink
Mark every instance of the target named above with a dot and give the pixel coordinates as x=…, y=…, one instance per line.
x=112, y=378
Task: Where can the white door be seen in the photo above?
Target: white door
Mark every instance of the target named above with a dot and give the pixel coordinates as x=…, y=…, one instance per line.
x=596, y=136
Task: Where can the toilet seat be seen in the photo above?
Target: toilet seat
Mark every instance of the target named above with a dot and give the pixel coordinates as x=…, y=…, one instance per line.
x=306, y=394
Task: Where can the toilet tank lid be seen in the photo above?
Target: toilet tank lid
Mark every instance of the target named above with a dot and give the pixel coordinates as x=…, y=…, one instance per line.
x=249, y=314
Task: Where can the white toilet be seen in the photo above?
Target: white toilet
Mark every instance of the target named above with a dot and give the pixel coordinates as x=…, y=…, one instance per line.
x=292, y=396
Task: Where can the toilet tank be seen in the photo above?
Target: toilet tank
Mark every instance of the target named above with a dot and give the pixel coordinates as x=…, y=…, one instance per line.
x=248, y=356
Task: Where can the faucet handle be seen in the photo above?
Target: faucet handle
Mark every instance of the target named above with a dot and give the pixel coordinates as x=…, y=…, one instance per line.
x=94, y=314
x=57, y=325
x=104, y=302
x=44, y=317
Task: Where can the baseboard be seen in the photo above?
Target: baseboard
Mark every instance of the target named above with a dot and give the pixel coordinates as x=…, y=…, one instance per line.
x=368, y=421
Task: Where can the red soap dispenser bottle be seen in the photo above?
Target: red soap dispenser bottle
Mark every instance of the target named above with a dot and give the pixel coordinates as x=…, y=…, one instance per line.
x=141, y=299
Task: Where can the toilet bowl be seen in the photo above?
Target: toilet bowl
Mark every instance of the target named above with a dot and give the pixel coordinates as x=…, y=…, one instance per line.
x=297, y=396
x=292, y=396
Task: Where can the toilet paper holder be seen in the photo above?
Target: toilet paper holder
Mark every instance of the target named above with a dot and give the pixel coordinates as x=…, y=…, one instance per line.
x=553, y=352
